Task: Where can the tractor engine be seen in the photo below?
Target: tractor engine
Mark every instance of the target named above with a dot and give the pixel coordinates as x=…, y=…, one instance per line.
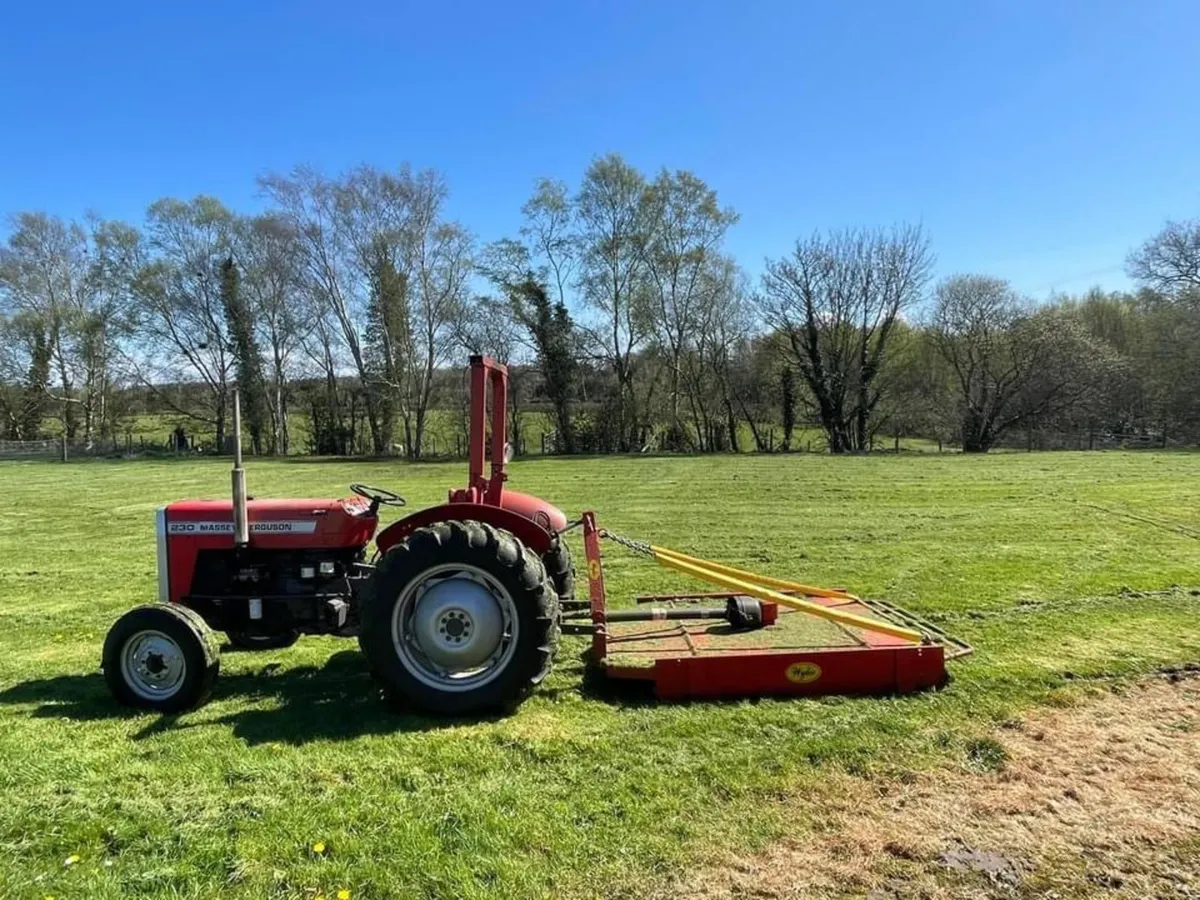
x=297, y=574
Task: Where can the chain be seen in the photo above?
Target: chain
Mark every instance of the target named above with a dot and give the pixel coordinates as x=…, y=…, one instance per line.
x=640, y=547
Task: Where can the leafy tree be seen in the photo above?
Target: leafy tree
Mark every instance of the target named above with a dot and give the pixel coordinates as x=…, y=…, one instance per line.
x=247, y=359
x=787, y=404
x=388, y=338
x=50, y=274
x=553, y=334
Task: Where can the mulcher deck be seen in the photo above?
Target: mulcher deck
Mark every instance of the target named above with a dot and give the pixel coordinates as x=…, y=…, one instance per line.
x=799, y=654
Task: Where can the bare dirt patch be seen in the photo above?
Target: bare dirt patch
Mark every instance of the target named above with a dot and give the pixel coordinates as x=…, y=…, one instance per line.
x=1100, y=798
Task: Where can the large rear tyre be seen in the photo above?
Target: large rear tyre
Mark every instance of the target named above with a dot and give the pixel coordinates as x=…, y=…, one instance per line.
x=459, y=618
x=560, y=570
x=162, y=657
x=243, y=640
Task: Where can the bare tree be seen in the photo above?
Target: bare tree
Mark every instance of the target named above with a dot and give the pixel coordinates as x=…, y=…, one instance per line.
x=327, y=404
x=836, y=299
x=1011, y=363
x=613, y=278
x=181, y=321
x=1169, y=262
x=325, y=215
x=342, y=226
x=722, y=319
x=549, y=232
x=441, y=262
x=686, y=227
x=268, y=250
x=116, y=256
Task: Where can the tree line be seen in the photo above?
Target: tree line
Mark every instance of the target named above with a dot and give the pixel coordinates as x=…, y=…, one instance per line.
x=350, y=300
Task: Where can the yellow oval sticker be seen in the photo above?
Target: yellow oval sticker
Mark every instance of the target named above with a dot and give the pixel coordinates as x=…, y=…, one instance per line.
x=803, y=672
x=594, y=569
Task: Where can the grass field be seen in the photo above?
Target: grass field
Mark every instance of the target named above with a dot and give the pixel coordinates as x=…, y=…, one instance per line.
x=1057, y=567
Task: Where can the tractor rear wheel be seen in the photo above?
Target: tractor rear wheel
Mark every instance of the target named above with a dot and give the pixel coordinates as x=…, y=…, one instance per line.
x=560, y=570
x=244, y=640
x=459, y=618
x=161, y=656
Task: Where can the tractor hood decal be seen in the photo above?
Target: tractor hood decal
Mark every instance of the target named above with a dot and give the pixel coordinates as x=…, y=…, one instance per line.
x=280, y=526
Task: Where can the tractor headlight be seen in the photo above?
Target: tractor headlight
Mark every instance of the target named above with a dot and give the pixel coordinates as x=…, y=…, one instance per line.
x=328, y=568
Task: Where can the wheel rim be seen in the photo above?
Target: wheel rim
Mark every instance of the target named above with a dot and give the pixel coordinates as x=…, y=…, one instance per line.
x=153, y=665
x=455, y=627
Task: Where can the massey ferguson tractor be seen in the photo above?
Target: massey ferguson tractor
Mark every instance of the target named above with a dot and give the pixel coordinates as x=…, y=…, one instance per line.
x=457, y=613
x=459, y=608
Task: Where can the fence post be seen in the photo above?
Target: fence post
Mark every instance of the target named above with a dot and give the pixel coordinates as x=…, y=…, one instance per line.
x=64, y=446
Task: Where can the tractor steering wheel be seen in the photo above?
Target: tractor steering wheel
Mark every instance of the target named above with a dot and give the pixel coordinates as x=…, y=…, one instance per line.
x=377, y=496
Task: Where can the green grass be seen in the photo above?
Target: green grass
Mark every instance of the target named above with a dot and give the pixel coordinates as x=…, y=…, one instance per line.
x=578, y=794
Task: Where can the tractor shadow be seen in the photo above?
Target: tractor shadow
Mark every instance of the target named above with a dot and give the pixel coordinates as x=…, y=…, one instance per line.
x=274, y=704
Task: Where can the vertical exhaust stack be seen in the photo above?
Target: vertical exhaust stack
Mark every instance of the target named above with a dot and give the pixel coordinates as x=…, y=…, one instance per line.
x=241, y=524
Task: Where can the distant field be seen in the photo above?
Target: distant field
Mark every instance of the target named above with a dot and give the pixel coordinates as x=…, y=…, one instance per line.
x=1059, y=568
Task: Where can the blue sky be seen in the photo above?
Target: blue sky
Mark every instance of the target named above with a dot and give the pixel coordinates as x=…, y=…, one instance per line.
x=1037, y=141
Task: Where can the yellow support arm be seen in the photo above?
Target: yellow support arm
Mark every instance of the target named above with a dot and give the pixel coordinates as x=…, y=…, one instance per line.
x=725, y=577
x=784, y=585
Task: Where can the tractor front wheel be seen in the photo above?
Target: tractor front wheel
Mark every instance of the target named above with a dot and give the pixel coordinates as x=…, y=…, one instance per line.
x=161, y=657
x=459, y=618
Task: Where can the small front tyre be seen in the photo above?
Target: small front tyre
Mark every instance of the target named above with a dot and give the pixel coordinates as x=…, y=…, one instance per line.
x=161, y=657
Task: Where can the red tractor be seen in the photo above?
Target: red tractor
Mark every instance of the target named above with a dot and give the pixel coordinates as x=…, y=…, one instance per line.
x=457, y=612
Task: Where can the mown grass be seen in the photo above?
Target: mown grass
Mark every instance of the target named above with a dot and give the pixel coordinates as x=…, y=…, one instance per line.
x=1058, y=567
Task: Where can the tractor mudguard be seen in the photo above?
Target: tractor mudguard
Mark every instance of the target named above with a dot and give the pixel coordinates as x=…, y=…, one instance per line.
x=531, y=533
x=545, y=514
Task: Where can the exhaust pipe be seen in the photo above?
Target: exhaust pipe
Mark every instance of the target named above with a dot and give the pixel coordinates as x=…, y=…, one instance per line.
x=241, y=524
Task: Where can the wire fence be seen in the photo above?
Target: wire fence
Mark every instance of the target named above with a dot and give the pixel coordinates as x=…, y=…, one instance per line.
x=454, y=446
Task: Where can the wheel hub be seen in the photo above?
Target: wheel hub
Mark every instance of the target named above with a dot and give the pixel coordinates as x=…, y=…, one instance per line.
x=153, y=665
x=457, y=623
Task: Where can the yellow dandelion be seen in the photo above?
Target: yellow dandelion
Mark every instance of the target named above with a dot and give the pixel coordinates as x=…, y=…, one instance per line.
x=343, y=894
x=71, y=860
x=318, y=848
x=319, y=897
